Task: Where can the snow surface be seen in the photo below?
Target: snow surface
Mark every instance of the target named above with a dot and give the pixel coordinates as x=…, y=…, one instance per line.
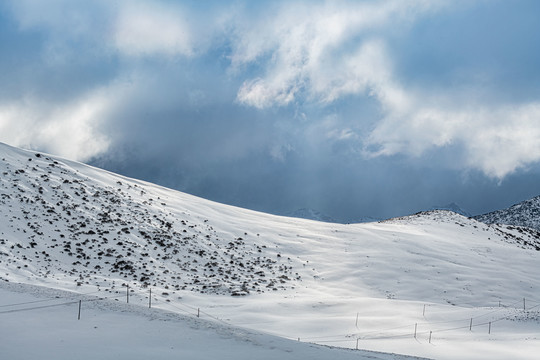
x=67, y=226
x=45, y=325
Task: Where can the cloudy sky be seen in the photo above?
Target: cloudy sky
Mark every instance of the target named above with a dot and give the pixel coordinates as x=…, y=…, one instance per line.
x=353, y=108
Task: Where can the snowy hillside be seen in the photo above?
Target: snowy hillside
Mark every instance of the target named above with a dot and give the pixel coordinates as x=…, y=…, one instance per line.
x=526, y=213
x=425, y=285
x=79, y=225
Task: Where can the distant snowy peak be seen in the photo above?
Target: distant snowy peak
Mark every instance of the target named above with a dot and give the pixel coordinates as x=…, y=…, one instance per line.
x=452, y=207
x=311, y=214
x=526, y=213
x=365, y=219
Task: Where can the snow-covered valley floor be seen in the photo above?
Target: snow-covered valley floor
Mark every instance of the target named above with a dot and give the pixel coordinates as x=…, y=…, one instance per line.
x=68, y=229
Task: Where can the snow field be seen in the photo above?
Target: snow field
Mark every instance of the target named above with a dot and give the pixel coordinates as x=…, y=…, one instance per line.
x=384, y=273
x=114, y=330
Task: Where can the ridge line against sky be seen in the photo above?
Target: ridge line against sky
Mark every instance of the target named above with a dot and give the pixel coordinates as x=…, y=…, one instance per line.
x=354, y=108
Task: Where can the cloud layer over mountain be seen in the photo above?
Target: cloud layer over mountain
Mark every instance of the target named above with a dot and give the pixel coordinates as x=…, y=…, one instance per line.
x=281, y=105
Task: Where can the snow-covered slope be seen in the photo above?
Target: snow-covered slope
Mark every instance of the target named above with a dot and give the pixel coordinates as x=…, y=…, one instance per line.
x=37, y=326
x=526, y=213
x=70, y=223
x=72, y=227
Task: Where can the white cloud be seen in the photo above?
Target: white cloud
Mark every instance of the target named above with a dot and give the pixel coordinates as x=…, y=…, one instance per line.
x=152, y=28
x=325, y=51
x=134, y=28
x=315, y=51
x=262, y=93
x=71, y=130
x=504, y=139
x=498, y=140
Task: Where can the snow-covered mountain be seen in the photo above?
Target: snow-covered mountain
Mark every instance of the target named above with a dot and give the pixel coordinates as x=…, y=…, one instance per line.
x=400, y=286
x=526, y=213
x=311, y=214
x=365, y=219
x=452, y=207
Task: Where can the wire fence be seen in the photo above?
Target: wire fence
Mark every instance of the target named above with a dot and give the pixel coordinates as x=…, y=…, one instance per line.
x=411, y=330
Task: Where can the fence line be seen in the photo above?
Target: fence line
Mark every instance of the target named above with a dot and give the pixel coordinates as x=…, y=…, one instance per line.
x=196, y=312
x=37, y=307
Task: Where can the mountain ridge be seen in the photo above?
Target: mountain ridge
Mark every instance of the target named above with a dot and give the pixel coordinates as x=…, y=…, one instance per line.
x=525, y=213
x=311, y=214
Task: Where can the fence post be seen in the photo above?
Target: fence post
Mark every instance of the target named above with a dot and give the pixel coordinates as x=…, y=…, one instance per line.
x=415, y=326
x=150, y=299
x=79, y=317
x=357, y=343
x=424, y=311
x=489, y=329
x=430, y=336
x=356, y=320
x=198, y=312
x=127, y=294
x=470, y=326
